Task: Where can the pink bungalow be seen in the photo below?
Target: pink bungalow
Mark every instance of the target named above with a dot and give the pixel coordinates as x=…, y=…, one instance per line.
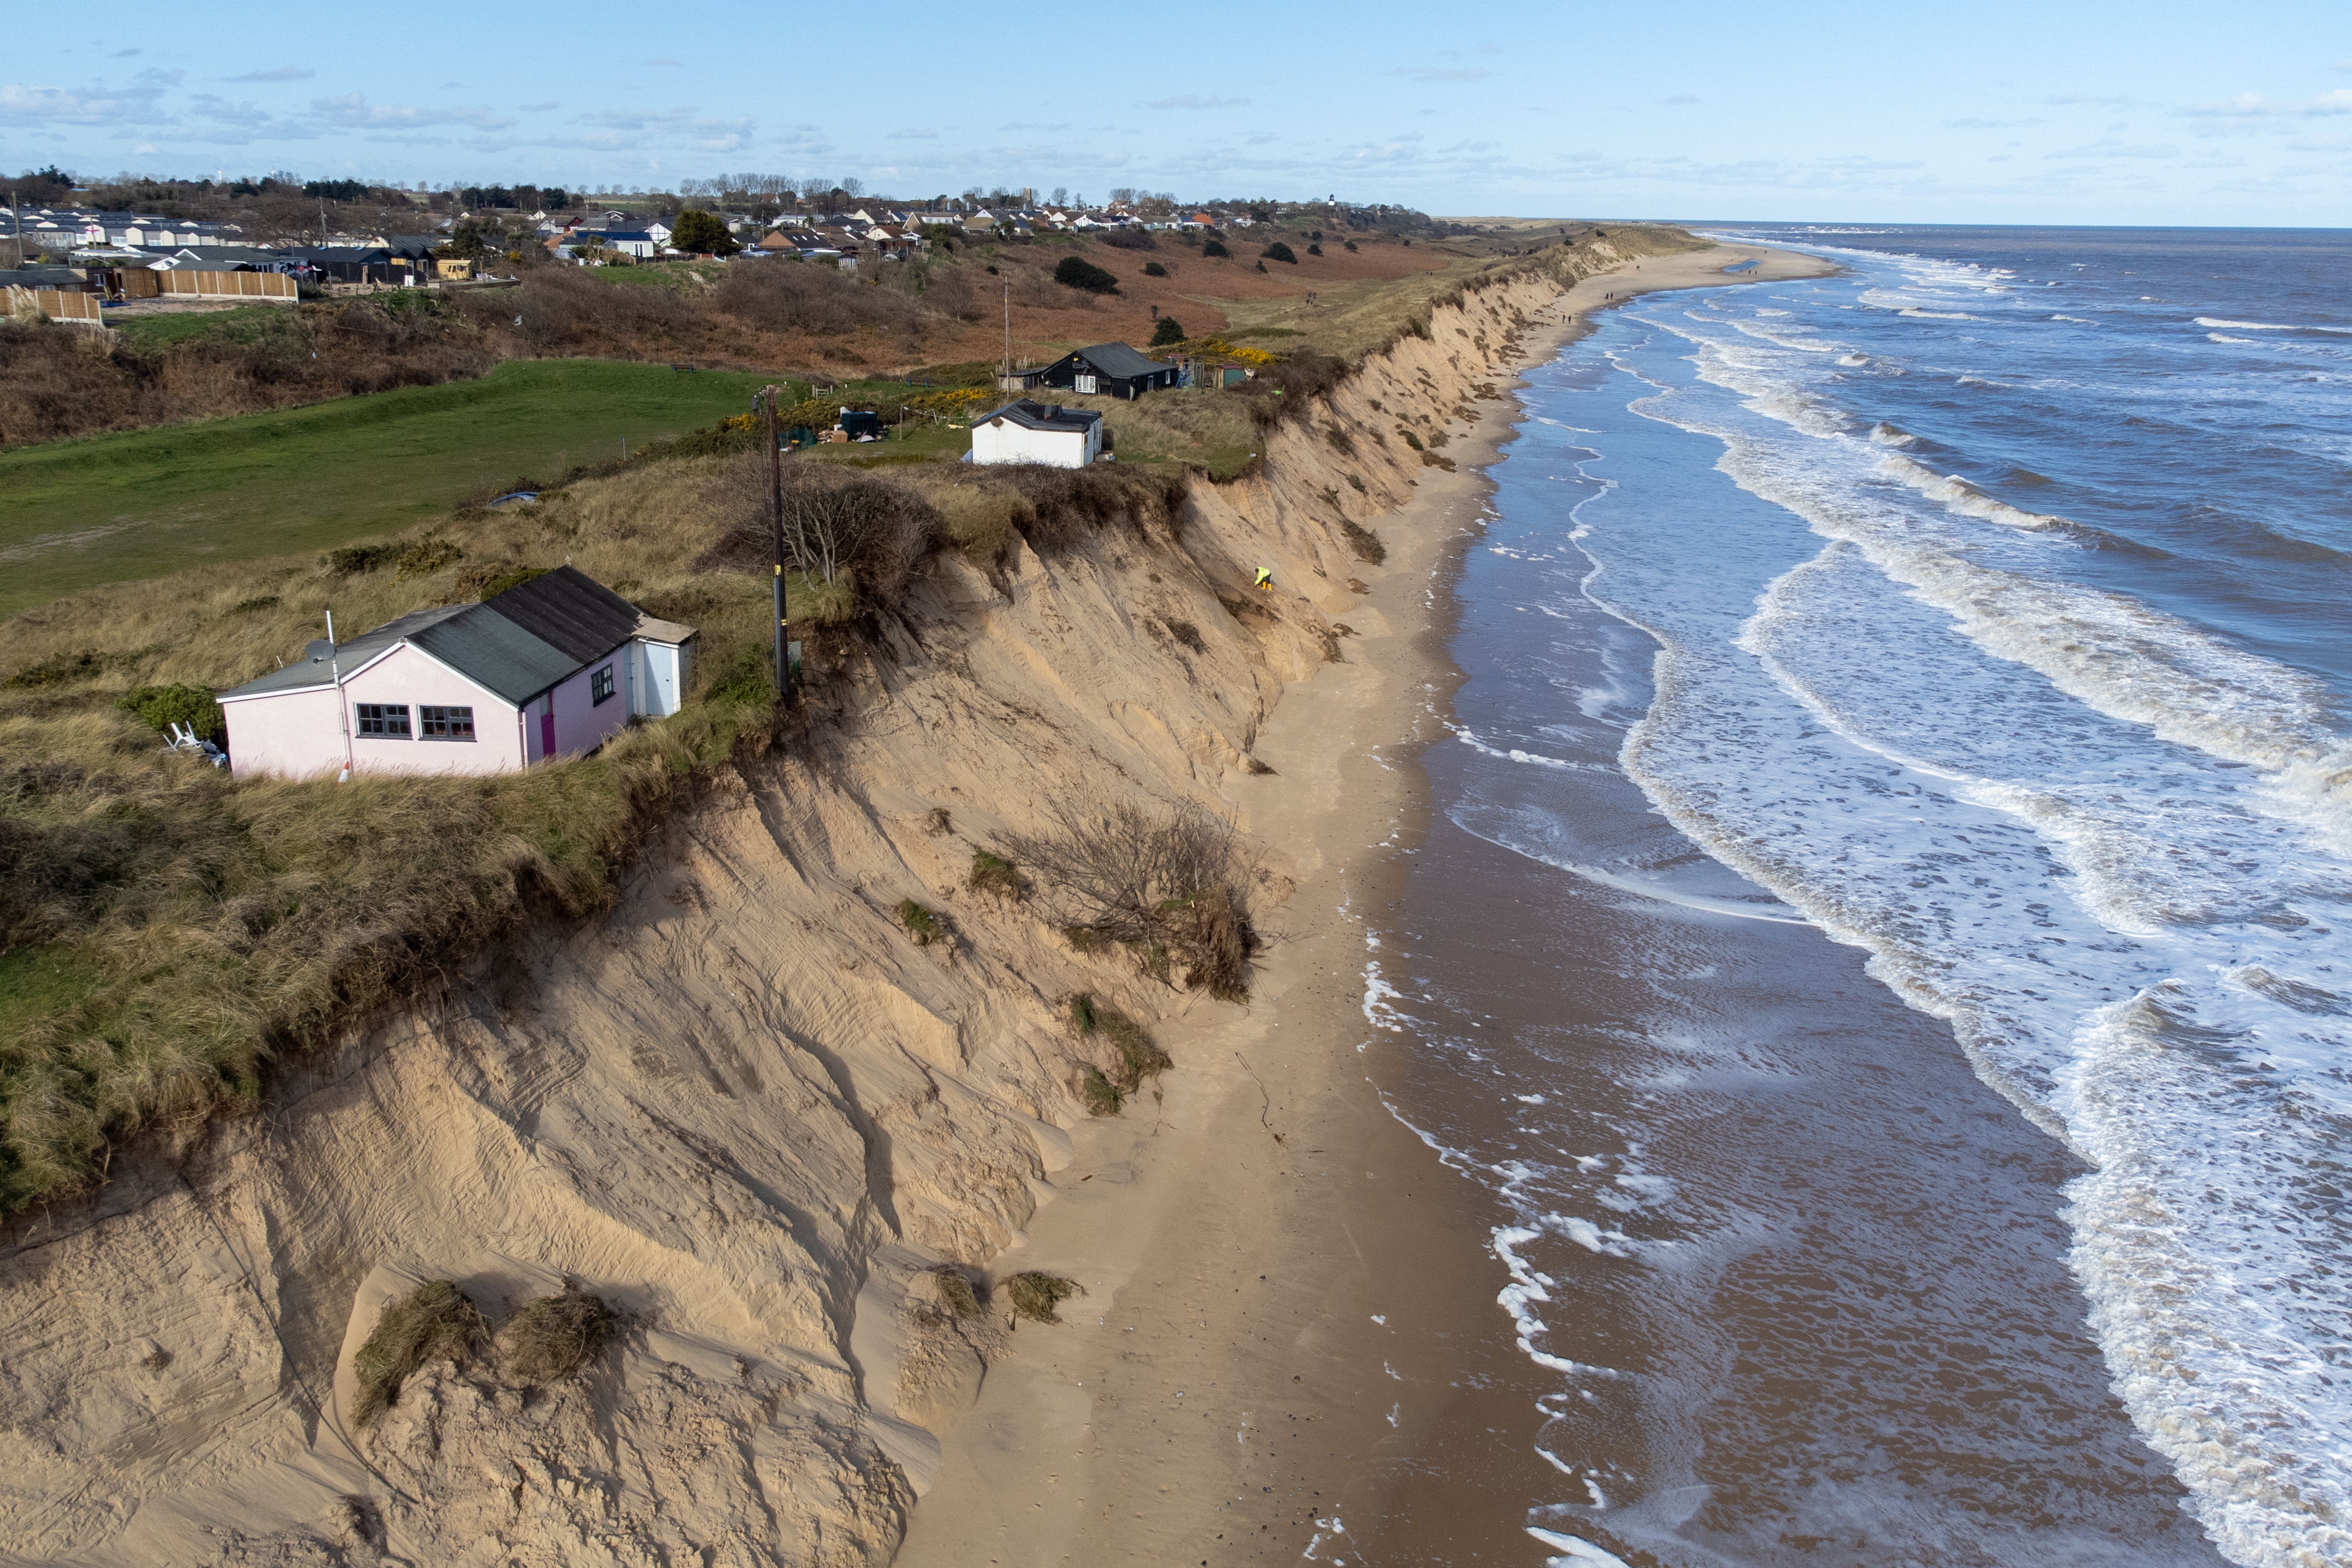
x=550, y=668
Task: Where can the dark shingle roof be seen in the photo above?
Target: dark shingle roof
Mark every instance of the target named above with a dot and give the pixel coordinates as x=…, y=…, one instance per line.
x=516, y=644
x=1117, y=358
x=569, y=609
x=1033, y=416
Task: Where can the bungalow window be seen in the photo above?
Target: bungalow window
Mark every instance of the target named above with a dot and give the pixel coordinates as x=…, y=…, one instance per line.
x=1084, y=383
x=388, y=720
x=447, y=724
x=600, y=686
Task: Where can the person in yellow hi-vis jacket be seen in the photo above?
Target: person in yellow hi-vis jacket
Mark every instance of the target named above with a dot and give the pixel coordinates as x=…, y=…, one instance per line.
x=1266, y=576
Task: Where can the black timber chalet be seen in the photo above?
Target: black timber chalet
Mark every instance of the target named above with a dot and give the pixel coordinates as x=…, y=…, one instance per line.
x=1105, y=369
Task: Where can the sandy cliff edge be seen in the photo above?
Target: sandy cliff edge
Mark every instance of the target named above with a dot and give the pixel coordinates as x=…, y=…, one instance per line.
x=745, y=1108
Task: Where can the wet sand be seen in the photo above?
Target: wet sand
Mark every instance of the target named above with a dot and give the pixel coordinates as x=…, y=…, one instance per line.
x=1290, y=1340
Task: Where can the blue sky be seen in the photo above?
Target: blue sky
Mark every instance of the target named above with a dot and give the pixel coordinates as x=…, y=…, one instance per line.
x=2157, y=112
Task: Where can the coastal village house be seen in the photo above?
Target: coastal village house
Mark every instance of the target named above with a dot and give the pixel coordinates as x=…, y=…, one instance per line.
x=550, y=668
x=1105, y=370
x=1027, y=432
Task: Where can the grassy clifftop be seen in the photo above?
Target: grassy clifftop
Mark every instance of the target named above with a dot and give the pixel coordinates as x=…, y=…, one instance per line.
x=164, y=930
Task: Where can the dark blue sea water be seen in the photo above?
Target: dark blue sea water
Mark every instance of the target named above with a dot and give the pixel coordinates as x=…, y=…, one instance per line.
x=1984, y=610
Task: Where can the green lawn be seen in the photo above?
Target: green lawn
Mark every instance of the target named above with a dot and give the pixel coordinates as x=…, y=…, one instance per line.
x=238, y=323
x=144, y=504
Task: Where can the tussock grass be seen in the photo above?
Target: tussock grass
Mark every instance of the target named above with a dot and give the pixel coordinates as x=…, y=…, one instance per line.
x=995, y=874
x=436, y=1321
x=956, y=1293
x=1140, y=1056
x=1101, y=1096
x=556, y=1336
x=923, y=926
x=1036, y=1294
x=1363, y=543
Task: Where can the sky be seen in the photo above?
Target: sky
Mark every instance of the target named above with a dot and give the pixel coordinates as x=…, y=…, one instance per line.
x=2051, y=112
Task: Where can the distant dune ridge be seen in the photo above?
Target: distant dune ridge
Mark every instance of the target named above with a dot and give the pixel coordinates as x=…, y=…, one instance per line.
x=786, y=1144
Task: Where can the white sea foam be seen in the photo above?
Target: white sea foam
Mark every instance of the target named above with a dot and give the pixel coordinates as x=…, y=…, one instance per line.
x=1514, y=755
x=2270, y=326
x=2226, y=338
x=1574, y=1554
x=2114, y=847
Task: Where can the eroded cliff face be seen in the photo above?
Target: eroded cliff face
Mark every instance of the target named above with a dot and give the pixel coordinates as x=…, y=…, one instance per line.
x=743, y=1107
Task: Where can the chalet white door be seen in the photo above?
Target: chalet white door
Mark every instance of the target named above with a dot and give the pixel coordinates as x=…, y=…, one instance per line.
x=1086, y=383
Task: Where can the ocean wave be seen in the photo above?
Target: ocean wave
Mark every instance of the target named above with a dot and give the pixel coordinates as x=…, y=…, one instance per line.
x=1514, y=755
x=1963, y=496
x=2078, y=320
x=2270, y=326
x=2170, y=1249
x=2225, y=338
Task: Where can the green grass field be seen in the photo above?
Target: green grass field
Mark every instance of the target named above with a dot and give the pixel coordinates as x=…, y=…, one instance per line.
x=144, y=504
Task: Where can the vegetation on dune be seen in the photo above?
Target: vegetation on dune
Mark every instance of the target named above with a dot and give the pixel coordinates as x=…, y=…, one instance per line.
x=165, y=929
x=1036, y=1294
x=556, y=1336
x=1166, y=885
x=436, y=1321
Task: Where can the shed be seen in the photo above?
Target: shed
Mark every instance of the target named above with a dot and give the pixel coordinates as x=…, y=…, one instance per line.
x=1024, y=431
x=1105, y=369
x=551, y=668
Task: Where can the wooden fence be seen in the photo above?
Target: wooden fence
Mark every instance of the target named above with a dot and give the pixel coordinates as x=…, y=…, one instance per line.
x=56, y=304
x=196, y=284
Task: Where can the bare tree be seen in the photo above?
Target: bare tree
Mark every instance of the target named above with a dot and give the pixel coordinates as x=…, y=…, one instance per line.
x=1163, y=884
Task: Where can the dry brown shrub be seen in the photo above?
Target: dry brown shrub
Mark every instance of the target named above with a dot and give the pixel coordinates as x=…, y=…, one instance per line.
x=432, y=1322
x=1035, y=1293
x=1162, y=884
x=799, y=297
x=557, y=1335
x=836, y=520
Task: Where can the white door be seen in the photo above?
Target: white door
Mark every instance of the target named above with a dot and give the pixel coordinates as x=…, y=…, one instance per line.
x=1086, y=383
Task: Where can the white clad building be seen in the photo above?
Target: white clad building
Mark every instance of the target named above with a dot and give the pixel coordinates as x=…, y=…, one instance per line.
x=1027, y=432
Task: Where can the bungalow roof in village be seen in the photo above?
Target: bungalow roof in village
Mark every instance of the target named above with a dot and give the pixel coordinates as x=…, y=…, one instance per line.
x=1030, y=414
x=517, y=644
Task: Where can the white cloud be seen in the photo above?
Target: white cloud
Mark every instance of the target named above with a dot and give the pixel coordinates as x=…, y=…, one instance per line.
x=1681, y=97
x=283, y=73
x=683, y=125
x=140, y=103
x=2254, y=106
x=353, y=112
x=2107, y=147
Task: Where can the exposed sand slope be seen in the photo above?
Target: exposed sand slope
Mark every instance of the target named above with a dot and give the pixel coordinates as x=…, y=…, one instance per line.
x=743, y=1107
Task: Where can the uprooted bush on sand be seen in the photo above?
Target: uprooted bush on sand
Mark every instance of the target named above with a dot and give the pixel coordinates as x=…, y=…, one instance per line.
x=956, y=1293
x=1140, y=1056
x=1164, y=884
x=1036, y=1294
x=556, y=1336
x=432, y=1322
x=1363, y=542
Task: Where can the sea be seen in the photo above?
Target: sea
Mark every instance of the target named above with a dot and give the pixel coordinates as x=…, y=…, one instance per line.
x=1884, y=940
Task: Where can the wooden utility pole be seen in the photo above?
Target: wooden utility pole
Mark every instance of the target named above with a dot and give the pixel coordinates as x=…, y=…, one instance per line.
x=776, y=518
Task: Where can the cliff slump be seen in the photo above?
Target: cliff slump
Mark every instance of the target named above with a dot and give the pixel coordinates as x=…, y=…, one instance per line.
x=744, y=1107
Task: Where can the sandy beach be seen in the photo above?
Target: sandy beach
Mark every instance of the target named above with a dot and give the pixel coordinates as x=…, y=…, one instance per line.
x=1289, y=1335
